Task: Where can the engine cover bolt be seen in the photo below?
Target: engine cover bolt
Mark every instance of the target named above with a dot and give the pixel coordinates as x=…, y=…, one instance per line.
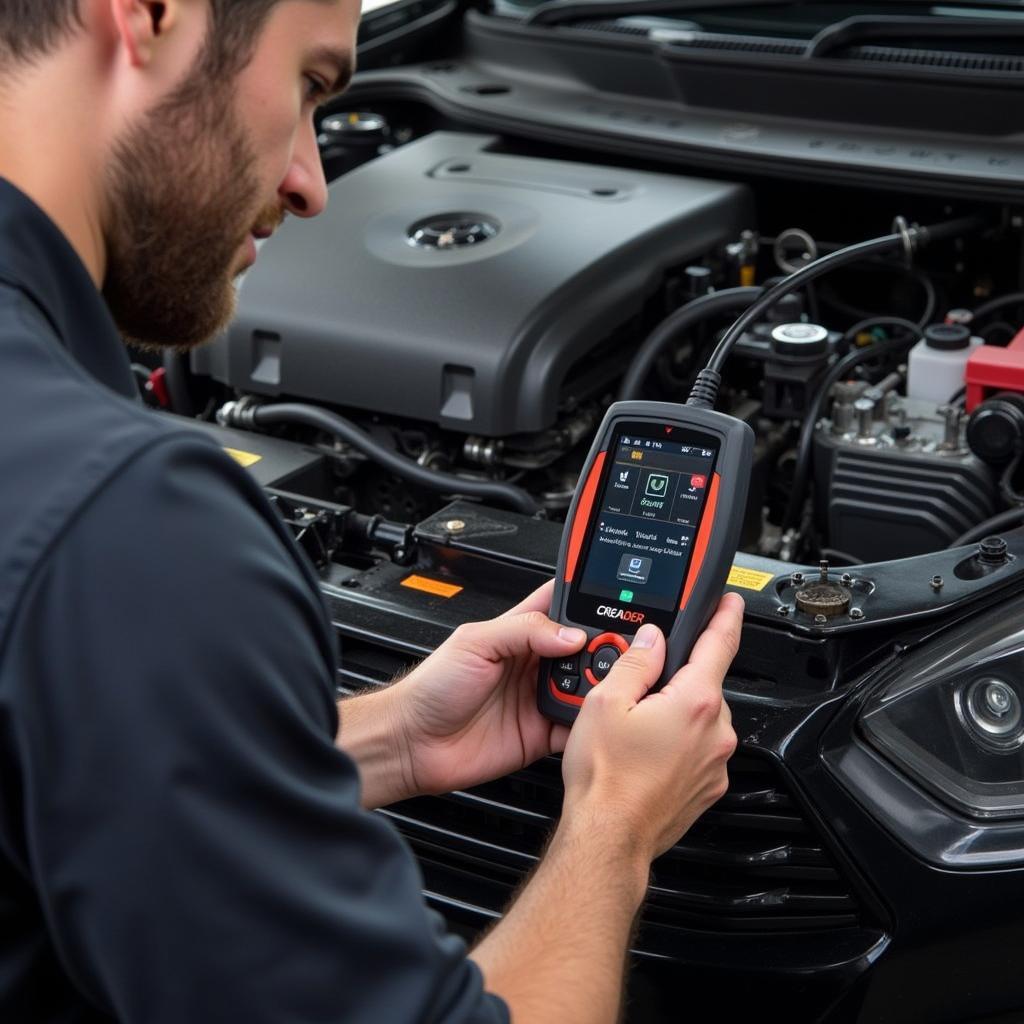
x=856, y=613
x=937, y=582
x=455, y=525
x=820, y=620
x=846, y=579
x=783, y=609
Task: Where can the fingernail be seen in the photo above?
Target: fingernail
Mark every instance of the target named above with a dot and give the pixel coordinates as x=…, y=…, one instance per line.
x=572, y=636
x=646, y=636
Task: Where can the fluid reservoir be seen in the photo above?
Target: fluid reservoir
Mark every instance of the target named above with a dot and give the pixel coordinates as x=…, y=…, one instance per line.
x=937, y=363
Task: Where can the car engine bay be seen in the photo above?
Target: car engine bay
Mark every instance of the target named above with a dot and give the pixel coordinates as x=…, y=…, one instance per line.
x=523, y=294
x=530, y=219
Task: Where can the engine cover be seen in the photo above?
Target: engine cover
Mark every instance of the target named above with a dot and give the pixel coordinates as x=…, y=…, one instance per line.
x=463, y=287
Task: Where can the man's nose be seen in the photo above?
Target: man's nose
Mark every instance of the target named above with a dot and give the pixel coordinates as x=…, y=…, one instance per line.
x=304, y=188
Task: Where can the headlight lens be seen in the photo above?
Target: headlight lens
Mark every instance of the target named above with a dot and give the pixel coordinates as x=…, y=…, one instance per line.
x=953, y=717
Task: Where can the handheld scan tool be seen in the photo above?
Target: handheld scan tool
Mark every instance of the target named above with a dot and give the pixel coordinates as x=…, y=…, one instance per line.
x=650, y=537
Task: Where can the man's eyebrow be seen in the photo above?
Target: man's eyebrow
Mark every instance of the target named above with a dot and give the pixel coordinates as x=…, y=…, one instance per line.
x=342, y=60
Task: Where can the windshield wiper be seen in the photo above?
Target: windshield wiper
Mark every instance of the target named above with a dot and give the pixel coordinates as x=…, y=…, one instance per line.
x=889, y=27
x=841, y=34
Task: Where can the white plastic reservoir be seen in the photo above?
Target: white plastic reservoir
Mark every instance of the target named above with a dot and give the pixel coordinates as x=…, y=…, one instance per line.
x=937, y=363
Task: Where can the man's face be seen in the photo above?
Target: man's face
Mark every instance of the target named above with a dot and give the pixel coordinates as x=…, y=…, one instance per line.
x=214, y=166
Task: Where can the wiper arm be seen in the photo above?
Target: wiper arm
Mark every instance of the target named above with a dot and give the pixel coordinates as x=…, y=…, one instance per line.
x=863, y=27
x=558, y=12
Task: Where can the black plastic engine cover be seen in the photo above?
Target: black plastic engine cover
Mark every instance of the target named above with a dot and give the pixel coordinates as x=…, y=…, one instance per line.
x=523, y=267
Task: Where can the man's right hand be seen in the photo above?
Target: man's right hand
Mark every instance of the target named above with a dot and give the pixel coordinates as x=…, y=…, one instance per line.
x=639, y=767
x=647, y=765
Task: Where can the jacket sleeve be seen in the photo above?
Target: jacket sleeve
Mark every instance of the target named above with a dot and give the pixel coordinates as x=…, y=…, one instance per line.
x=193, y=833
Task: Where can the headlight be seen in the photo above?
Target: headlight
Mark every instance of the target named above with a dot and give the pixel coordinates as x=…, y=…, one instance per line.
x=953, y=717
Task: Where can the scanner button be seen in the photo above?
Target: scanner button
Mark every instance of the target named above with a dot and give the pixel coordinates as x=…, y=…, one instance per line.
x=566, y=682
x=570, y=665
x=604, y=658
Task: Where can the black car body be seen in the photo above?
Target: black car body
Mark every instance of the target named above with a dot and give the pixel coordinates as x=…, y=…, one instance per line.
x=519, y=197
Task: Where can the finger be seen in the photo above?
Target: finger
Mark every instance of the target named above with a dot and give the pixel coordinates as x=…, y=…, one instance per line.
x=538, y=601
x=638, y=669
x=511, y=636
x=716, y=646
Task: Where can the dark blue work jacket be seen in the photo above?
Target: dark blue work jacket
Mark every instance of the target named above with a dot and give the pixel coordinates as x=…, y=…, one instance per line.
x=180, y=840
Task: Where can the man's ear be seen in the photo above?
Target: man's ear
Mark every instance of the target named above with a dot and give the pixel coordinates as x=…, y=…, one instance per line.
x=139, y=24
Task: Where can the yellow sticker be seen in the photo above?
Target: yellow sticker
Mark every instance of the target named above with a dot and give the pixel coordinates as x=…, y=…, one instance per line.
x=243, y=458
x=748, y=579
x=429, y=586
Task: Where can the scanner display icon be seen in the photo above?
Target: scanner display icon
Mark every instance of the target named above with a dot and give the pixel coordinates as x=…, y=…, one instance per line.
x=634, y=569
x=657, y=485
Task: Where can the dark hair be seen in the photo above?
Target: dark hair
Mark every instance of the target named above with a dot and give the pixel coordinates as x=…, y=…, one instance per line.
x=33, y=28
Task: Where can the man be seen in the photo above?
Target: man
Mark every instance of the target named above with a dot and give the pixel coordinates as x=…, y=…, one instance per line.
x=181, y=837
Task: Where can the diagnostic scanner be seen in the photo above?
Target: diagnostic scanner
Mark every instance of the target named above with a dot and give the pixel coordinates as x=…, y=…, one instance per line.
x=650, y=537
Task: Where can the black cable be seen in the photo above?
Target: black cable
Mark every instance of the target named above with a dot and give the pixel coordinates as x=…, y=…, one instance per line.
x=1004, y=520
x=904, y=236
x=729, y=300
x=993, y=305
x=931, y=296
x=247, y=416
x=802, y=464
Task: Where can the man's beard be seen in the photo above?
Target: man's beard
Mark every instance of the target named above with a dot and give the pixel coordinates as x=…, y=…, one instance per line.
x=183, y=196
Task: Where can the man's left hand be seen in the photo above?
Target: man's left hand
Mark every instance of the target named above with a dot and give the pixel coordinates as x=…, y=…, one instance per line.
x=468, y=713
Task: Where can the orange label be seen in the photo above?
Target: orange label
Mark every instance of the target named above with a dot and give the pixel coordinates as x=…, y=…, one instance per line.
x=429, y=586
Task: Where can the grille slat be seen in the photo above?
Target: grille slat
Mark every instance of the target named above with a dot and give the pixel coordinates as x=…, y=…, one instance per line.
x=749, y=863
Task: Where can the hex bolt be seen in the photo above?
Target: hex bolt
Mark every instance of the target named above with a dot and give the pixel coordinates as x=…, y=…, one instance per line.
x=823, y=568
x=783, y=609
x=936, y=583
x=856, y=613
x=797, y=578
x=820, y=620
x=846, y=579
x=455, y=525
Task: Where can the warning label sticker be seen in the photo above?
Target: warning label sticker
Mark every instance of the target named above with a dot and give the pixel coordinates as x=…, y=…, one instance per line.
x=748, y=579
x=429, y=586
x=243, y=458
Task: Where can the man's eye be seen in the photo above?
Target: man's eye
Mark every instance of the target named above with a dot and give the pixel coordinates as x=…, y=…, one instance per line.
x=315, y=89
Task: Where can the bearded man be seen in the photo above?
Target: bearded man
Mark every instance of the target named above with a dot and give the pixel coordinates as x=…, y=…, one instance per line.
x=184, y=834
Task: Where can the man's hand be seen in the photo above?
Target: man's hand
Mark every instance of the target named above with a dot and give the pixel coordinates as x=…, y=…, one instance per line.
x=639, y=767
x=468, y=713
x=648, y=764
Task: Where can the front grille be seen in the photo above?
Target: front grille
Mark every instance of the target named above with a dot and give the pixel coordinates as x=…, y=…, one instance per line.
x=752, y=862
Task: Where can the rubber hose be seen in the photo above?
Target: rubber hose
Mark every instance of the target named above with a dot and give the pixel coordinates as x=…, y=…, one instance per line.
x=1011, y=517
x=729, y=300
x=447, y=483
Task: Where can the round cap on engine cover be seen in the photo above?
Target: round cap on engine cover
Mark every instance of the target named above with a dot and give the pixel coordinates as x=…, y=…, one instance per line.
x=947, y=337
x=351, y=123
x=799, y=339
x=452, y=231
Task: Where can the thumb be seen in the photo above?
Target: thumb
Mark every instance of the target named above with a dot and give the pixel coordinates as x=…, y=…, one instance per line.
x=638, y=669
x=514, y=635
